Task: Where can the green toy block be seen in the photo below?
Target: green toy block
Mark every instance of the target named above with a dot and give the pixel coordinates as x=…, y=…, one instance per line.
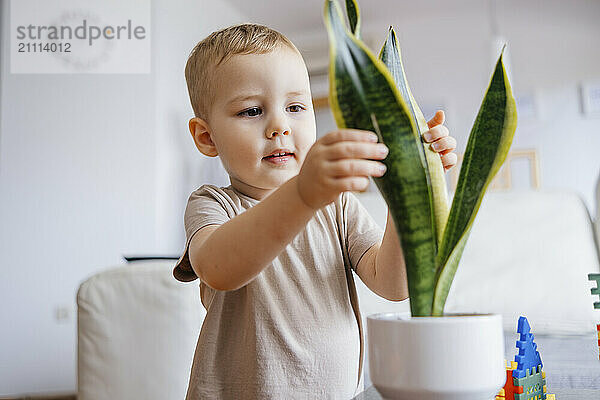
x=596, y=290
x=533, y=384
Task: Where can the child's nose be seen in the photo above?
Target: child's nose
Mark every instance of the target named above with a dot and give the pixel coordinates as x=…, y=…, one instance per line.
x=274, y=132
x=278, y=124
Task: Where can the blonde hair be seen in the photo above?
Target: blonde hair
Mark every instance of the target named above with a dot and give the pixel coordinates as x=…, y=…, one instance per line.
x=217, y=48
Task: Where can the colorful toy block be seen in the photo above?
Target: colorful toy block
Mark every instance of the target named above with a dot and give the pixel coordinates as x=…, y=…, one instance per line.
x=509, y=390
x=596, y=290
x=525, y=379
x=533, y=384
x=528, y=356
x=598, y=329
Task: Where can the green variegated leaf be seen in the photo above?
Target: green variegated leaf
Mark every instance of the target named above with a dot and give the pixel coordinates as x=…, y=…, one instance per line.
x=363, y=95
x=353, y=17
x=487, y=148
x=366, y=93
x=391, y=56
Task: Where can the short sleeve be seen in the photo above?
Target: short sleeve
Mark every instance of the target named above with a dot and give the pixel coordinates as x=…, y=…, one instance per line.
x=203, y=208
x=361, y=230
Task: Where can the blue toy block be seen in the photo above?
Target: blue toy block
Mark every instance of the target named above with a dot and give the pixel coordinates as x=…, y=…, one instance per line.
x=528, y=356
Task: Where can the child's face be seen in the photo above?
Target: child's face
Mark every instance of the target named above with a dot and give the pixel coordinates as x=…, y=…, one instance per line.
x=262, y=104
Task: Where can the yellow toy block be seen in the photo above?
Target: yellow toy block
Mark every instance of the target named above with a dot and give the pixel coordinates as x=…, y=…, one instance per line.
x=511, y=365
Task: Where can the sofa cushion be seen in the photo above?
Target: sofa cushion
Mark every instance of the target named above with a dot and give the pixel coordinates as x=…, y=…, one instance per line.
x=529, y=254
x=137, y=331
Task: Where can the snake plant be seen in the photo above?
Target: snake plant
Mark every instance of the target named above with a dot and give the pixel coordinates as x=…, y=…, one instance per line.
x=371, y=92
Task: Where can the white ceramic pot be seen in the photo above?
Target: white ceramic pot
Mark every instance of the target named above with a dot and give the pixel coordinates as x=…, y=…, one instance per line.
x=458, y=356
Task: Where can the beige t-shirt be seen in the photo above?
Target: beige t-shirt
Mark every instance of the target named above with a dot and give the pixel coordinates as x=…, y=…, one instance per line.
x=294, y=332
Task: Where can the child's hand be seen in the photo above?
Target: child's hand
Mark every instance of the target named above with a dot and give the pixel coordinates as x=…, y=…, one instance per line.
x=340, y=161
x=442, y=142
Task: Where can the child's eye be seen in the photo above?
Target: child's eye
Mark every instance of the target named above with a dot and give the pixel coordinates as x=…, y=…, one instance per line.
x=251, y=112
x=296, y=108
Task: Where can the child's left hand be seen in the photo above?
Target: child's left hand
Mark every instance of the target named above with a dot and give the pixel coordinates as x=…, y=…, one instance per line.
x=442, y=142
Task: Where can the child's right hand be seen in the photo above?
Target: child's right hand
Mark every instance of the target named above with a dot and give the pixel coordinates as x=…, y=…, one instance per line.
x=340, y=161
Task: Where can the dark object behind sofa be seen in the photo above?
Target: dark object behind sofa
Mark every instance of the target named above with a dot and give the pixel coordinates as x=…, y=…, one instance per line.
x=145, y=258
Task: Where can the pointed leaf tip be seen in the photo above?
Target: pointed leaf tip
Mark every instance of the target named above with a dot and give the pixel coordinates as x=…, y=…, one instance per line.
x=353, y=14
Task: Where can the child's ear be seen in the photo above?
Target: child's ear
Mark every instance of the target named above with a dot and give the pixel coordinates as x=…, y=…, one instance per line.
x=200, y=131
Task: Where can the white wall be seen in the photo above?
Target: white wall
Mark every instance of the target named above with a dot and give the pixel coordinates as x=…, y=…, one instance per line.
x=92, y=166
x=180, y=167
x=553, y=47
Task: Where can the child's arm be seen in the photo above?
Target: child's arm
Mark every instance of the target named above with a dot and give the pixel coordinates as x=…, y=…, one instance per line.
x=228, y=256
x=382, y=268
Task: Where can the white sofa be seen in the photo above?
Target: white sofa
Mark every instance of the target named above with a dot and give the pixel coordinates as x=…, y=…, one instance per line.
x=137, y=329
x=529, y=254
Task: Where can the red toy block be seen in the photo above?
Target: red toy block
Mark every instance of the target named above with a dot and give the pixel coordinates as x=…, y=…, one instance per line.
x=509, y=387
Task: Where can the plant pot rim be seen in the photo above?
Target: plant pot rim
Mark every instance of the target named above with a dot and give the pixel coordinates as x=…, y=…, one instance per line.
x=394, y=317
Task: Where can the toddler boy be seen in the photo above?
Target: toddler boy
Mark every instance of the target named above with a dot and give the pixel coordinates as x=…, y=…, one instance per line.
x=275, y=250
